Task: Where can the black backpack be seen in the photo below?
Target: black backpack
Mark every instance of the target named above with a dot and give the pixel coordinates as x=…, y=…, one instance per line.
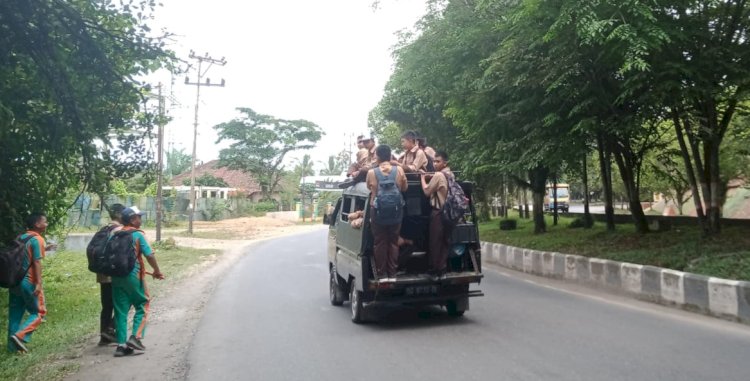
x=430, y=167
x=389, y=203
x=95, y=248
x=117, y=258
x=11, y=262
x=456, y=204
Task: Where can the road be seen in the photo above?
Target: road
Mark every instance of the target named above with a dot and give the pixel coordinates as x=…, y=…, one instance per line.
x=270, y=319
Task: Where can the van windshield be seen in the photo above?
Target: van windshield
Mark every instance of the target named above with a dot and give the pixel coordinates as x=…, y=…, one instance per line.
x=561, y=192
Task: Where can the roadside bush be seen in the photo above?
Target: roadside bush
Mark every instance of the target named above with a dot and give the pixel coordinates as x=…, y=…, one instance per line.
x=215, y=209
x=581, y=222
x=166, y=244
x=508, y=224
x=266, y=206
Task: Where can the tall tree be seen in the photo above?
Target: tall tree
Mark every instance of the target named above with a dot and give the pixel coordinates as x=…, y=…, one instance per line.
x=333, y=167
x=261, y=142
x=71, y=114
x=305, y=166
x=177, y=162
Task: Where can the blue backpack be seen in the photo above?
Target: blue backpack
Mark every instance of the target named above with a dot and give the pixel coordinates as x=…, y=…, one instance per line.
x=389, y=203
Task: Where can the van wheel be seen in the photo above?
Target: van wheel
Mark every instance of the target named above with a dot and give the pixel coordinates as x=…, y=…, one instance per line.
x=453, y=309
x=335, y=293
x=355, y=298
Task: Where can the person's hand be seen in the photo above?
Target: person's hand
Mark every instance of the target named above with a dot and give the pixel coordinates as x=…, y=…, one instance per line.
x=38, y=289
x=158, y=275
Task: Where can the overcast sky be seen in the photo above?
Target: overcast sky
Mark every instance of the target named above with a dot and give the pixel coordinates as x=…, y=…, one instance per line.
x=326, y=61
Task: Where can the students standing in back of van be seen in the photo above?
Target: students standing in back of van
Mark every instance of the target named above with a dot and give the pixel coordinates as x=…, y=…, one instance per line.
x=28, y=296
x=385, y=232
x=414, y=159
x=437, y=191
x=106, y=316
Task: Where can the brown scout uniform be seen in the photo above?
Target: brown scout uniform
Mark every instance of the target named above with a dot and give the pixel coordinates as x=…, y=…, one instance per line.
x=415, y=160
x=386, y=236
x=437, y=189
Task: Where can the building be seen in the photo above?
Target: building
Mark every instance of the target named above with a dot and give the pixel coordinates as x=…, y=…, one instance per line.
x=240, y=183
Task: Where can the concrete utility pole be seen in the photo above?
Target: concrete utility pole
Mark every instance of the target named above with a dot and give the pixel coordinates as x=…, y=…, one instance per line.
x=211, y=61
x=160, y=166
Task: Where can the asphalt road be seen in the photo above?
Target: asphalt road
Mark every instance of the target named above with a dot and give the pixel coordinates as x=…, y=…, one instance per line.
x=270, y=319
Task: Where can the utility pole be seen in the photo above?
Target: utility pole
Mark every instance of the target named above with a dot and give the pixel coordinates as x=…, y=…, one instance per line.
x=211, y=61
x=160, y=166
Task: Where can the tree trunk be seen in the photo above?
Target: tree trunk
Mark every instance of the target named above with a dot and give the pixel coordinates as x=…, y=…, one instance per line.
x=538, y=180
x=702, y=223
x=715, y=203
x=605, y=166
x=587, y=220
x=626, y=163
x=526, y=204
x=555, y=214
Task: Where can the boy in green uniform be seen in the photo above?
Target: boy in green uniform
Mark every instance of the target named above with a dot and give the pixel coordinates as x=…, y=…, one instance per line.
x=131, y=290
x=28, y=296
x=106, y=316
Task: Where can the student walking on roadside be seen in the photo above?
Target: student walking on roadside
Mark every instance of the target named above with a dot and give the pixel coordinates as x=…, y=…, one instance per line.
x=437, y=191
x=106, y=317
x=28, y=296
x=386, y=211
x=131, y=290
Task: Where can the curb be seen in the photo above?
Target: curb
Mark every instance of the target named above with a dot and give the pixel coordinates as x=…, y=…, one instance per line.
x=722, y=298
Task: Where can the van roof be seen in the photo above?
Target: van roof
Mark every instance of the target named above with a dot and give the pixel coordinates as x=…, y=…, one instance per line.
x=358, y=189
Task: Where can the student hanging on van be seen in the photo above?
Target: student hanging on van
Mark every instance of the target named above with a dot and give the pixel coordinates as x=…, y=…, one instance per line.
x=386, y=183
x=131, y=290
x=414, y=159
x=28, y=296
x=437, y=191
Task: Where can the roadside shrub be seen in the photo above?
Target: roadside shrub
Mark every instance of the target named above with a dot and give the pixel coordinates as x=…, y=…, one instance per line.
x=215, y=209
x=581, y=222
x=266, y=206
x=508, y=224
x=165, y=244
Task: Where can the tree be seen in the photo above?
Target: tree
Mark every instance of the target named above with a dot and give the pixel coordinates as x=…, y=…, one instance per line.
x=261, y=142
x=71, y=114
x=334, y=167
x=304, y=167
x=178, y=162
x=207, y=180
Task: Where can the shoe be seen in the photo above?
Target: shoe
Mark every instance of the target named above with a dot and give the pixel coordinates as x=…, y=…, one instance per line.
x=123, y=351
x=19, y=344
x=106, y=338
x=135, y=343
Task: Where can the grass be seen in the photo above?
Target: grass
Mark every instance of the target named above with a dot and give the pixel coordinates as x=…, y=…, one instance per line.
x=73, y=313
x=211, y=234
x=682, y=248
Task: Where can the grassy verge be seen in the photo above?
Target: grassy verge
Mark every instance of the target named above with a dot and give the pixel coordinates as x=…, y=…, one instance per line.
x=73, y=313
x=682, y=248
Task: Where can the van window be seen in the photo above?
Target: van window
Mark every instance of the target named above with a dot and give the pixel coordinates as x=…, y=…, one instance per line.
x=346, y=208
x=561, y=192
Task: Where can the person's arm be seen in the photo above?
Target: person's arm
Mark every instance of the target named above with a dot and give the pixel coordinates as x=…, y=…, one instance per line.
x=37, y=269
x=419, y=163
x=401, y=181
x=154, y=265
x=433, y=186
x=148, y=252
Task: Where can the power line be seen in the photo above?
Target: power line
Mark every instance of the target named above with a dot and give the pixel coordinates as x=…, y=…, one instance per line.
x=199, y=83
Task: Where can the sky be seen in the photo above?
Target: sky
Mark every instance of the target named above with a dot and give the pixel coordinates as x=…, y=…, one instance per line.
x=326, y=61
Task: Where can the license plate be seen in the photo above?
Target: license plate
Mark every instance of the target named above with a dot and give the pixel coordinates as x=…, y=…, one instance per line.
x=421, y=290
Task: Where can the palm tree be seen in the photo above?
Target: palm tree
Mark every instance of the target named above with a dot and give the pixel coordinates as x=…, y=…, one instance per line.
x=304, y=167
x=332, y=168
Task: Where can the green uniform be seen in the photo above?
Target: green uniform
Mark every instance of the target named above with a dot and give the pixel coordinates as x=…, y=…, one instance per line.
x=21, y=298
x=130, y=291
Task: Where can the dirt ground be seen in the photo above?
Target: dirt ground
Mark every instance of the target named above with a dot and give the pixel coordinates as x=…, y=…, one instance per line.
x=176, y=312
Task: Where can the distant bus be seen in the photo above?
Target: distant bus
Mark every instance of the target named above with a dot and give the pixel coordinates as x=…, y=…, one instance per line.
x=563, y=198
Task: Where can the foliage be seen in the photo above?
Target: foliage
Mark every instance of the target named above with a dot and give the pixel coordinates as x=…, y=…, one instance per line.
x=518, y=91
x=334, y=167
x=207, y=180
x=178, y=162
x=71, y=114
x=261, y=142
x=215, y=209
x=304, y=167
